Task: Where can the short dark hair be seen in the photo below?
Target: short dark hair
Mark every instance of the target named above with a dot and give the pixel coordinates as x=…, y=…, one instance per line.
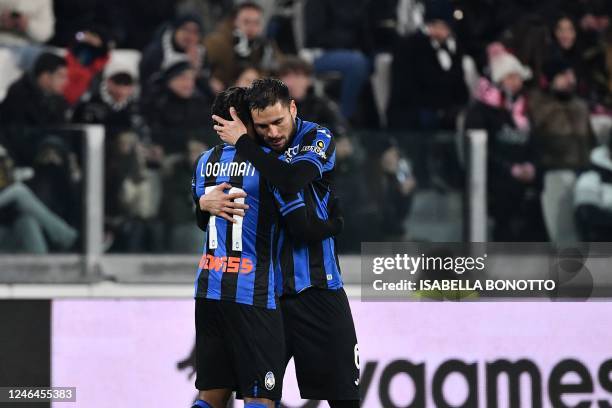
x=267, y=92
x=246, y=5
x=294, y=65
x=48, y=62
x=232, y=96
x=122, y=78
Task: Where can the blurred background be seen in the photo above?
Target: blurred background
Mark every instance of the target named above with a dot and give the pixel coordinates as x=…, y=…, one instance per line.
x=402, y=84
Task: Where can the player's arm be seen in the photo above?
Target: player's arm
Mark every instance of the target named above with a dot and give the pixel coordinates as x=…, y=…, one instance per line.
x=214, y=201
x=288, y=177
x=305, y=225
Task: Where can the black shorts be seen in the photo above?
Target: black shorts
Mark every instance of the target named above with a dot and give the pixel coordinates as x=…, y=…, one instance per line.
x=321, y=338
x=239, y=347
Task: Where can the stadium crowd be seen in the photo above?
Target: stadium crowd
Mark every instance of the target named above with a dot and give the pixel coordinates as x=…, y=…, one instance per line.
x=386, y=77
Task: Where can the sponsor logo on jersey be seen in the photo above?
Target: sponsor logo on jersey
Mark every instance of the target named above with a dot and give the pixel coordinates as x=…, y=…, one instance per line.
x=226, y=264
x=319, y=151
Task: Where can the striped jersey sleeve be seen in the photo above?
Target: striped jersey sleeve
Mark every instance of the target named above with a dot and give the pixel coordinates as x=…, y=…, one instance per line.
x=318, y=148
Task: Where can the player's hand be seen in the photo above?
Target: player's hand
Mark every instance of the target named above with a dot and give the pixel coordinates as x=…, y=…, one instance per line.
x=229, y=130
x=218, y=203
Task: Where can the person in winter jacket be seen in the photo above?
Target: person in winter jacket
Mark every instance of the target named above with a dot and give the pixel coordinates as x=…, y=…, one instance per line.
x=239, y=42
x=112, y=102
x=593, y=198
x=176, y=110
x=180, y=40
x=36, y=99
x=297, y=75
x=428, y=88
x=513, y=179
x=86, y=58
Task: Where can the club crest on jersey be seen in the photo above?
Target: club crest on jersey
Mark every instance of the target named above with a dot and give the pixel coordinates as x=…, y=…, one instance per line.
x=269, y=381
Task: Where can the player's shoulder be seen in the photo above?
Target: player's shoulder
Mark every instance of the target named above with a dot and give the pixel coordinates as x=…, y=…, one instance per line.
x=217, y=149
x=312, y=131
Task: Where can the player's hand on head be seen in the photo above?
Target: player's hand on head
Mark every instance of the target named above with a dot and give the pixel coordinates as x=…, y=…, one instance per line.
x=218, y=203
x=229, y=130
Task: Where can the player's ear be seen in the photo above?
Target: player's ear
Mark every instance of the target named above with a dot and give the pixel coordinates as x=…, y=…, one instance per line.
x=293, y=109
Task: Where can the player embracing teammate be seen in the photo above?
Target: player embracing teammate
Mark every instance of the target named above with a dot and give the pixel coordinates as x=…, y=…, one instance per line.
x=296, y=159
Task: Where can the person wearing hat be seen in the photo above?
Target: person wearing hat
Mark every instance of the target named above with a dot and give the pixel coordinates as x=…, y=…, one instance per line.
x=111, y=101
x=174, y=108
x=563, y=139
x=180, y=40
x=513, y=178
x=428, y=88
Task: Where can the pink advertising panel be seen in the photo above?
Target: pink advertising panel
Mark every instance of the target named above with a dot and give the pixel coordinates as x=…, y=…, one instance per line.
x=121, y=353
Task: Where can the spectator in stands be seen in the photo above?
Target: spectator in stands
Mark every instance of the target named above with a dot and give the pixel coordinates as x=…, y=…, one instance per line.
x=428, y=89
x=338, y=32
x=566, y=46
x=359, y=220
x=183, y=235
x=112, y=102
x=513, y=179
x=239, y=42
x=297, y=74
x=25, y=22
x=134, y=194
x=598, y=68
x=180, y=41
x=247, y=76
x=561, y=131
x=594, y=21
x=560, y=120
x=36, y=99
x=24, y=27
x=390, y=185
x=591, y=198
x=57, y=179
x=26, y=224
x=176, y=110
x=86, y=58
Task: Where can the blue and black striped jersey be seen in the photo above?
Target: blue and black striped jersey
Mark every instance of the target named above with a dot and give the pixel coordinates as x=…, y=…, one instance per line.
x=237, y=262
x=309, y=265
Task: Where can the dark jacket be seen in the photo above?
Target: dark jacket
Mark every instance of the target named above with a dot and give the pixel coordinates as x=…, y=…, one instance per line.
x=174, y=120
x=27, y=104
x=323, y=111
x=507, y=145
x=561, y=130
x=420, y=84
x=98, y=107
x=338, y=24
